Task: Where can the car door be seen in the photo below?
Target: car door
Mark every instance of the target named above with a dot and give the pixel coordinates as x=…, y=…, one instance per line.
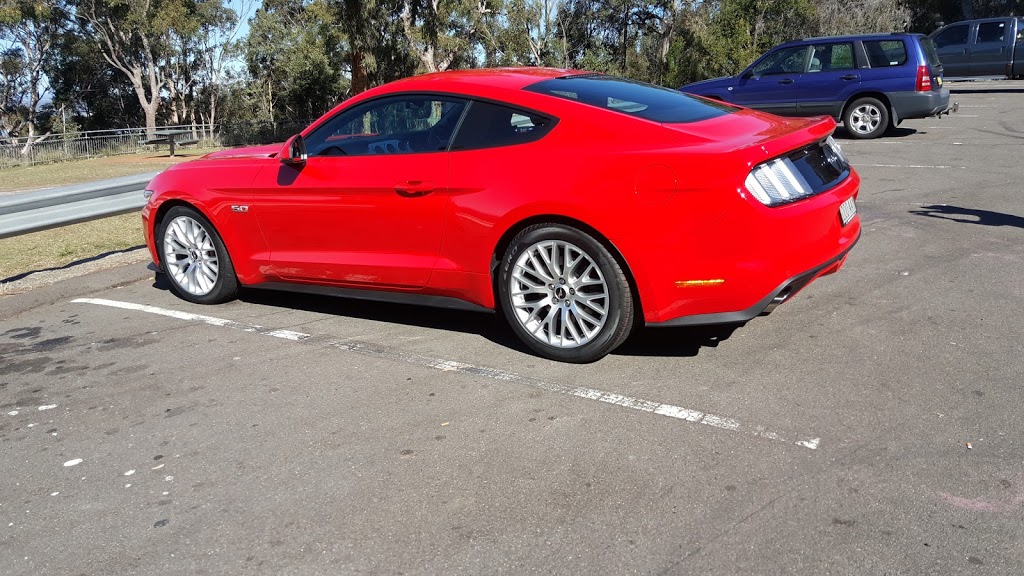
x=367, y=207
x=773, y=82
x=988, y=51
x=831, y=78
x=952, y=46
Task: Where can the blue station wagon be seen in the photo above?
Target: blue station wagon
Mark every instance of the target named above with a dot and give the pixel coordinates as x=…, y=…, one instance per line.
x=869, y=82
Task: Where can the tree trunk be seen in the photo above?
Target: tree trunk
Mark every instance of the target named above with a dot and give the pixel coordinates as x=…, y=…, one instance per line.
x=358, y=72
x=150, y=110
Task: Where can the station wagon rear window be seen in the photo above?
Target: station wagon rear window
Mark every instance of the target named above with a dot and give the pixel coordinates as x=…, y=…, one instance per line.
x=882, y=53
x=633, y=98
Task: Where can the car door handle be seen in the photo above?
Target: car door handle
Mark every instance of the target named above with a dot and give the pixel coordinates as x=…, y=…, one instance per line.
x=785, y=81
x=414, y=188
x=848, y=77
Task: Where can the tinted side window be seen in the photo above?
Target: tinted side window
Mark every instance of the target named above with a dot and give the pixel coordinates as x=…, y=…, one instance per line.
x=405, y=124
x=991, y=32
x=786, y=61
x=882, y=53
x=825, y=57
x=952, y=36
x=488, y=125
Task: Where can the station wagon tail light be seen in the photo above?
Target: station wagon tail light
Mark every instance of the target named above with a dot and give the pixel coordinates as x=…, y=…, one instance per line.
x=924, y=79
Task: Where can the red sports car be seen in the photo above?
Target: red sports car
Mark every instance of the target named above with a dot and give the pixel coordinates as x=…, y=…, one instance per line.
x=578, y=204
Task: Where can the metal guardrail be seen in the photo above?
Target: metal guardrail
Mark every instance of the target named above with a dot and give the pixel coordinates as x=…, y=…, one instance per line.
x=54, y=207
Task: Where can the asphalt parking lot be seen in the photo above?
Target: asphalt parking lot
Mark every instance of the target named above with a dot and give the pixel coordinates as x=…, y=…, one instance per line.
x=871, y=425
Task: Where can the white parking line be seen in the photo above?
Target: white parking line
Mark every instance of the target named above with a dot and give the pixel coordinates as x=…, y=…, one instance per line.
x=286, y=334
x=907, y=166
x=380, y=352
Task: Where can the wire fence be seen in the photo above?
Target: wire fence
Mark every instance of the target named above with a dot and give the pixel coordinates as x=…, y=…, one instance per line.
x=64, y=147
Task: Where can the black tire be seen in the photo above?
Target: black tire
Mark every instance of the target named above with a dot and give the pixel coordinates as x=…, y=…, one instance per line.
x=866, y=118
x=193, y=264
x=569, y=307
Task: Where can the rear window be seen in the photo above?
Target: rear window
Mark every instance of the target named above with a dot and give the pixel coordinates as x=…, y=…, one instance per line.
x=929, y=52
x=882, y=53
x=633, y=98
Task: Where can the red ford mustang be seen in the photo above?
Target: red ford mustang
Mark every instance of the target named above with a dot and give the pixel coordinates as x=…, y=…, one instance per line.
x=580, y=205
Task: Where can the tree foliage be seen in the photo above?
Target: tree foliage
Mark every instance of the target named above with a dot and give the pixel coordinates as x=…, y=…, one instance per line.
x=113, y=63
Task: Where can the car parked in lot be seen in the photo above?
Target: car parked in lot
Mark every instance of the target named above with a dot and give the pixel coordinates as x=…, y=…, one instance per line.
x=988, y=47
x=579, y=205
x=870, y=82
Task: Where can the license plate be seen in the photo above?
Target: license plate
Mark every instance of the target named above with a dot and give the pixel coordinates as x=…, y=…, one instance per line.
x=847, y=210
x=939, y=80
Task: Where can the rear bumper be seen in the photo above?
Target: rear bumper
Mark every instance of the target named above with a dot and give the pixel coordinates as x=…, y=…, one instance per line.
x=765, y=305
x=908, y=105
x=750, y=259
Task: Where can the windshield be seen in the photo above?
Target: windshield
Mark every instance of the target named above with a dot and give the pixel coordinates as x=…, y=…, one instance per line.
x=633, y=98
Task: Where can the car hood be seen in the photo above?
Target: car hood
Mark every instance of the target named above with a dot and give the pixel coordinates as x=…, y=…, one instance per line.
x=265, y=151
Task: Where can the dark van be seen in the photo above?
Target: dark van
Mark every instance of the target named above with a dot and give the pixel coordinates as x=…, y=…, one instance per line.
x=984, y=48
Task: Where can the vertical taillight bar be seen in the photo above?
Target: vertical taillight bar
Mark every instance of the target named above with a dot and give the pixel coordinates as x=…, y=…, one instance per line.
x=924, y=79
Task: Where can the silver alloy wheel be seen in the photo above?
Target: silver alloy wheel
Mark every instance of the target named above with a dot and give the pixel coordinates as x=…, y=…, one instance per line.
x=559, y=294
x=865, y=119
x=190, y=256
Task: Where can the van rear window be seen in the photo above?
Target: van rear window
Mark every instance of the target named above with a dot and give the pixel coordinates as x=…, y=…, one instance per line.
x=929, y=52
x=633, y=98
x=882, y=53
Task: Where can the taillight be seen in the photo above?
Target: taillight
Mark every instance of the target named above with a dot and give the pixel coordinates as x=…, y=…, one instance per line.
x=924, y=79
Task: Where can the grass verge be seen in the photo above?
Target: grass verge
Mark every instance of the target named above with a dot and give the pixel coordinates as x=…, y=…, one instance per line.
x=59, y=247
x=63, y=173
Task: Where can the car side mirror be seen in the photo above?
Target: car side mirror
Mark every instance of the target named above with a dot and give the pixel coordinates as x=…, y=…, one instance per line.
x=747, y=74
x=294, y=153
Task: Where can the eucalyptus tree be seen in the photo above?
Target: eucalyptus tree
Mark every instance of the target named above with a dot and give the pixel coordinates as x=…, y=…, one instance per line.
x=293, y=55
x=447, y=34
x=31, y=26
x=137, y=38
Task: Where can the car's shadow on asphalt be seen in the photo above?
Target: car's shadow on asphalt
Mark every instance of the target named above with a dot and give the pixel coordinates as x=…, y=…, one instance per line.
x=665, y=342
x=842, y=134
x=489, y=326
x=675, y=342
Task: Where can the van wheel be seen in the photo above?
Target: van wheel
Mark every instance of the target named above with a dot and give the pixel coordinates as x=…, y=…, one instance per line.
x=866, y=118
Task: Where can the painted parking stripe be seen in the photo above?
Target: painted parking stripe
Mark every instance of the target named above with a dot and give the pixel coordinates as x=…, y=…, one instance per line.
x=677, y=412
x=385, y=353
x=909, y=166
x=286, y=334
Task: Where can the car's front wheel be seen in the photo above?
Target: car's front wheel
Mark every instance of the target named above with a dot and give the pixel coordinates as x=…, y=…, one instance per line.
x=194, y=257
x=866, y=118
x=564, y=295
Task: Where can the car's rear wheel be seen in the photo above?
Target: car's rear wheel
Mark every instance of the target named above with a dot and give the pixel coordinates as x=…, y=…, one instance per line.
x=194, y=258
x=564, y=294
x=866, y=118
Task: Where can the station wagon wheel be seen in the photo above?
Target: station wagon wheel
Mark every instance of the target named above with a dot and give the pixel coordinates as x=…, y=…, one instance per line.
x=866, y=118
x=564, y=295
x=194, y=257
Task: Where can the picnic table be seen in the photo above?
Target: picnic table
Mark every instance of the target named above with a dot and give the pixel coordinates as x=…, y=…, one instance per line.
x=171, y=138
